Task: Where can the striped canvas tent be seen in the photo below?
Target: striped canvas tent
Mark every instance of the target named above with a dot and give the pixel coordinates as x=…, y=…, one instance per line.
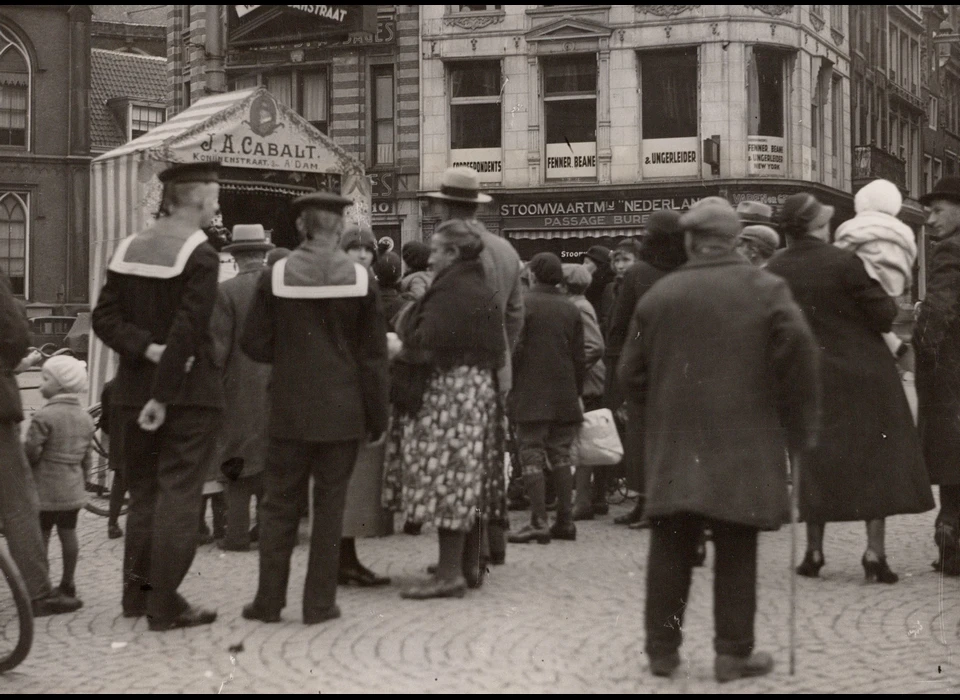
x=247, y=129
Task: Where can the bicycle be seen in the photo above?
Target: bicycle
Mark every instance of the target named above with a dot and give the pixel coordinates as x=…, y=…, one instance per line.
x=16, y=615
x=99, y=480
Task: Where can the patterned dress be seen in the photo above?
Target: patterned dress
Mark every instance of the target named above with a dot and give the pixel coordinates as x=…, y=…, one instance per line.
x=445, y=465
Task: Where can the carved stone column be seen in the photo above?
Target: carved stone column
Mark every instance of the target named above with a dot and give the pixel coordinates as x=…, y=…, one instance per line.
x=534, y=145
x=604, y=152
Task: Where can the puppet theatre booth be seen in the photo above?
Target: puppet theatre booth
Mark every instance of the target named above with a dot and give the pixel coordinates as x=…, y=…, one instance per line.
x=268, y=154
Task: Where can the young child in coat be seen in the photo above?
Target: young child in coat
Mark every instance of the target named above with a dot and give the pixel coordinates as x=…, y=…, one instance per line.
x=885, y=244
x=58, y=448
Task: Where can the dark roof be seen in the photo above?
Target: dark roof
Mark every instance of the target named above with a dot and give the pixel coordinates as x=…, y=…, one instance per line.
x=136, y=14
x=121, y=75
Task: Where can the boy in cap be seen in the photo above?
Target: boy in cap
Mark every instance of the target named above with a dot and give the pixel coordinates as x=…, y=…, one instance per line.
x=545, y=400
x=58, y=449
x=154, y=311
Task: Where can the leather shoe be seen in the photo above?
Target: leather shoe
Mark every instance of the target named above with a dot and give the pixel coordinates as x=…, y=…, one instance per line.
x=665, y=665
x=331, y=613
x=498, y=558
x=564, y=531
x=731, y=668
x=361, y=576
x=633, y=516
x=601, y=508
x=412, y=528
x=252, y=611
x=436, y=588
x=114, y=532
x=641, y=524
x=56, y=604
x=135, y=612
x=191, y=617
x=583, y=514
x=530, y=533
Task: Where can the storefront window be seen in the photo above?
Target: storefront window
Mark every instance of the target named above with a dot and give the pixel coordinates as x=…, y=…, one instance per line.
x=766, y=100
x=383, y=132
x=475, y=118
x=14, y=92
x=570, y=115
x=13, y=240
x=669, y=87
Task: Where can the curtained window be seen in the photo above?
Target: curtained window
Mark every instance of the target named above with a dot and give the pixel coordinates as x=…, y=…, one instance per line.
x=14, y=92
x=281, y=87
x=570, y=98
x=13, y=240
x=669, y=84
x=383, y=109
x=313, y=99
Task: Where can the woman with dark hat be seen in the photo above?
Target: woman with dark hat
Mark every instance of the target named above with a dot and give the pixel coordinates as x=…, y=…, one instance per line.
x=360, y=244
x=867, y=465
x=597, y=262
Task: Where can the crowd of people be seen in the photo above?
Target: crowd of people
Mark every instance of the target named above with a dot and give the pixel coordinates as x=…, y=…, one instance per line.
x=736, y=351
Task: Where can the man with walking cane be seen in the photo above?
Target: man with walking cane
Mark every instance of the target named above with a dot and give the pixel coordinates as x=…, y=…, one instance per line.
x=726, y=366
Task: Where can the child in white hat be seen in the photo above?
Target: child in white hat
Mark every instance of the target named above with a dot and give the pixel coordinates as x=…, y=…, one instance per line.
x=885, y=244
x=58, y=448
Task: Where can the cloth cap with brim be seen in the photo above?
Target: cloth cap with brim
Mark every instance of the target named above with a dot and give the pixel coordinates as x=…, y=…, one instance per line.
x=577, y=277
x=248, y=238
x=628, y=245
x=328, y=201
x=755, y=213
x=764, y=236
x=806, y=210
x=183, y=173
x=663, y=222
x=460, y=184
x=948, y=188
x=69, y=372
x=358, y=237
x=599, y=254
x=712, y=219
x=547, y=268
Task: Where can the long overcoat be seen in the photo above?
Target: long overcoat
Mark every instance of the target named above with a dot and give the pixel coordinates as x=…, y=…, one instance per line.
x=868, y=462
x=726, y=367
x=936, y=340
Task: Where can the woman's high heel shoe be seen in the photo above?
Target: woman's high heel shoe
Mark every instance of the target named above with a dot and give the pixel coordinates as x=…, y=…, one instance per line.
x=811, y=564
x=877, y=570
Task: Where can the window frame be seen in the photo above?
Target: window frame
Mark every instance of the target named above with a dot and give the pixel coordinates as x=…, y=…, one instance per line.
x=23, y=197
x=458, y=9
x=14, y=42
x=568, y=96
x=131, y=106
x=296, y=86
x=376, y=70
x=449, y=68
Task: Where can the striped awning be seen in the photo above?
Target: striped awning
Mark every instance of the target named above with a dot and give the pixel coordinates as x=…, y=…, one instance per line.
x=540, y=234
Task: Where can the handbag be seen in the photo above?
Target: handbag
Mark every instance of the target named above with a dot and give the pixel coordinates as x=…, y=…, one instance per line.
x=598, y=442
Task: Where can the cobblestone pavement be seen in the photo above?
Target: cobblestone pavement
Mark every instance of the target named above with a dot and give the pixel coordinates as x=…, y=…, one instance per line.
x=567, y=617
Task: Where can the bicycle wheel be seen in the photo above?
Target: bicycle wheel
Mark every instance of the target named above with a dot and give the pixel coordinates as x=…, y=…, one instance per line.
x=100, y=476
x=16, y=615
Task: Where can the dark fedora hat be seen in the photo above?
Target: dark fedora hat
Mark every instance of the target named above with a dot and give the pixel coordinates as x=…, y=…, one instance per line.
x=182, y=173
x=948, y=188
x=321, y=200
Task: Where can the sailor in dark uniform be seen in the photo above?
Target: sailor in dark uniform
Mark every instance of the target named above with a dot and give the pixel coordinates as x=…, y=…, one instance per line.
x=154, y=311
x=317, y=317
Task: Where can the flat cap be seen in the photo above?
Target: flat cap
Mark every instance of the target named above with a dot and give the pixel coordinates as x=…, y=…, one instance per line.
x=764, y=236
x=755, y=212
x=321, y=200
x=577, y=277
x=547, y=268
x=714, y=219
x=182, y=173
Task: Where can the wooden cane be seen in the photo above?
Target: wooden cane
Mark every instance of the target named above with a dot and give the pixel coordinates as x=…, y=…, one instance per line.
x=794, y=510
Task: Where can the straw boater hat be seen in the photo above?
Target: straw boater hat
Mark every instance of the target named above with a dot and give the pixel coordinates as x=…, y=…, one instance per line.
x=460, y=184
x=248, y=237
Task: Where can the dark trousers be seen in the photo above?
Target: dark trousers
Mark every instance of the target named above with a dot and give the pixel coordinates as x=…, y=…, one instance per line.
x=546, y=446
x=673, y=545
x=290, y=464
x=20, y=512
x=949, y=514
x=165, y=472
x=239, y=493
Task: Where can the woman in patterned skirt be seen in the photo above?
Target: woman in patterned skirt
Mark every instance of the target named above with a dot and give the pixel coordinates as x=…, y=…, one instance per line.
x=446, y=450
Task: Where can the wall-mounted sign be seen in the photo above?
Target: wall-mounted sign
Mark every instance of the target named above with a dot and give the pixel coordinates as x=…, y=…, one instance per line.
x=766, y=156
x=384, y=207
x=677, y=157
x=253, y=25
x=384, y=184
x=486, y=161
x=585, y=212
x=571, y=160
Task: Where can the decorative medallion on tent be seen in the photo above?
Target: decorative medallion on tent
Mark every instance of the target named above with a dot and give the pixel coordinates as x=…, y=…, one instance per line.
x=665, y=10
x=772, y=10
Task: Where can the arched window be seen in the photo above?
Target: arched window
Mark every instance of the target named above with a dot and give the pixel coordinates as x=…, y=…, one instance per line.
x=14, y=91
x=13, y=240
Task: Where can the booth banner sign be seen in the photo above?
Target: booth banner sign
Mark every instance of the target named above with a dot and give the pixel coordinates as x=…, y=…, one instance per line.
x=678, y=157
x=261, y=137
x=486, y=161
x=589, y=213
x=572, y=159
x=765, y=156
x=258, y=24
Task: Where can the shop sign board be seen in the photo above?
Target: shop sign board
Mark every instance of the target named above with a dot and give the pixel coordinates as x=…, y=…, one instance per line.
x=676, y=157
x=488, y=162
x=565, y=160
x=384, y=184
x=266, y=24
x=616, y=212
x=766, y=156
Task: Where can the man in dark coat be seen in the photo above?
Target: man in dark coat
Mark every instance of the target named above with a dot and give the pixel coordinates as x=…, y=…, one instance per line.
x=936, y=340
x=725, y=365
x=316, y=316
x=549, y=369
x=597, y=262
x=154, y=311
x=19, y=502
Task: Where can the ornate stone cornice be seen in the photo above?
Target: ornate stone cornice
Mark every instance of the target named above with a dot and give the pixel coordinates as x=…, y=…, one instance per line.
x=772, y=10
x=471, y=21
x=817, y=22
x=665, y=10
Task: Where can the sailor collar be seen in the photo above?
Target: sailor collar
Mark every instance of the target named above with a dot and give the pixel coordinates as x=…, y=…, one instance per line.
x=331, y=291
x=144, y=269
